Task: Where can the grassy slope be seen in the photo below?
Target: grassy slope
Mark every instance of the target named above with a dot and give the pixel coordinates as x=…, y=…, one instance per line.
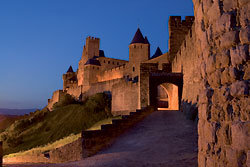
x=61, y=142
x=46, y=127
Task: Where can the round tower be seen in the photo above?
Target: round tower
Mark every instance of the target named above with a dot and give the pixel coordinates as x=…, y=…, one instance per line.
x=139, y=51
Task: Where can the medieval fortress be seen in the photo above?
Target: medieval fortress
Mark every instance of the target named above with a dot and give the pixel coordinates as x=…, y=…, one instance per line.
x=124, y=79
x=206, y=70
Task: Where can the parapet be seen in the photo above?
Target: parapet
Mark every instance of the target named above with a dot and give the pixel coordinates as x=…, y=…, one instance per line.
x=178, y=29
x=89, y=38
x=175, y=21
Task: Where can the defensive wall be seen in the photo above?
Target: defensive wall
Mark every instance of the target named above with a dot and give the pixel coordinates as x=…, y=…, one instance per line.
x=114, y=73
x=214, y=60
x=57, y=95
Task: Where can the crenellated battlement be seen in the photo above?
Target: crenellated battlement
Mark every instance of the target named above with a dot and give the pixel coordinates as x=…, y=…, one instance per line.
x=178, y=22
x=178, y=29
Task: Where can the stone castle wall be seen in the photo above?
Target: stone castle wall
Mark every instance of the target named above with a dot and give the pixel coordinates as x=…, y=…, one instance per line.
x=214, y=60
x=124, y=98
x=57, y=95
x=114, y=73
x=188, y=62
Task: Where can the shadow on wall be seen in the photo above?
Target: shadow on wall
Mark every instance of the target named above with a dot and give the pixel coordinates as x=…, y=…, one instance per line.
x=190, y=110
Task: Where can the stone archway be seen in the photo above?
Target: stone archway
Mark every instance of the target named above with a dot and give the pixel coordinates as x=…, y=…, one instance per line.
x=163, y=98
x=165, y=90
x=167, y=97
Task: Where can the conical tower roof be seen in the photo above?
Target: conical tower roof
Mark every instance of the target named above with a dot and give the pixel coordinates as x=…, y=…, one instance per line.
x=157, y=53
x=138, y=38
x=146, y=40
x=70, y=69
x=93, y=62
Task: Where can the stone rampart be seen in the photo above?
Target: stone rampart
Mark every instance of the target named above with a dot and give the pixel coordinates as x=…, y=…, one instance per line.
x=125, y=97
x=57, y=95
x=101, y=87
x=214, y=59
x=114, y=73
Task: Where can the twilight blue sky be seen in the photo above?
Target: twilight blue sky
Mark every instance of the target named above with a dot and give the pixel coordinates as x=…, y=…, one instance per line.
x=40, y=39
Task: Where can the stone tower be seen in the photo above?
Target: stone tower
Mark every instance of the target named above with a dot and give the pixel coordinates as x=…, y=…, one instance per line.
x=178, y=29
x=69, y=79
x=90, y=51
x=139, y=51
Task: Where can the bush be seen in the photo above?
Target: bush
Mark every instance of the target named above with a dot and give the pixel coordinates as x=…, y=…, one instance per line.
x=64, y=101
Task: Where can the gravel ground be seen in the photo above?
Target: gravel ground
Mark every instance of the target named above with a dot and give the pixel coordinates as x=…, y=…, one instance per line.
x=163, y=139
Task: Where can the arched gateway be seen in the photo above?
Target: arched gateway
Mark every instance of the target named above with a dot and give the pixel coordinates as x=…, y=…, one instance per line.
x=165, y=90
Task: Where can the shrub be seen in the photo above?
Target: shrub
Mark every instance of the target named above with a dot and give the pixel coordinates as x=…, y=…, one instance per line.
x=64, y=101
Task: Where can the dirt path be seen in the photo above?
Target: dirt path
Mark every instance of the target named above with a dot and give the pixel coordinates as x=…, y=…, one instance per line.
x=163, y=139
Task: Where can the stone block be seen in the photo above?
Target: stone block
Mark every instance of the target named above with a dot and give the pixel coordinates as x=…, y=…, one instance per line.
x=214, y=79
x=228, y=39
x=201, y=160
x=211, y=64
x=209, y=132
x=241, y=135
x=239, y=88
x=206, y=5
x=245, y=15
x=204, y=95
x=243, y=2
x=228, y=75
x=247, y=71
x=203, y=111
x=245, y=35
x=231, y=157
x=223, y=59
x=229, y=5
x=203, y=70
x=217, y=114
x=238, y=54
x=210, y=162
x=213, y=12
x=222, y=24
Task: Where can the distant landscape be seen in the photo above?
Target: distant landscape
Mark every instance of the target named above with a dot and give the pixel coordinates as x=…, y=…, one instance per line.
x=6, y=111
x=9, y=116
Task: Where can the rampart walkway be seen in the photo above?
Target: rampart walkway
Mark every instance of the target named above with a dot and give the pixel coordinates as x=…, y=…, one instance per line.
x=163, y=139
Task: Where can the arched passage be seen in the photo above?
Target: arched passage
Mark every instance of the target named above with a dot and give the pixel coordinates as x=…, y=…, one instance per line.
x=167, y=97
x=165, y=90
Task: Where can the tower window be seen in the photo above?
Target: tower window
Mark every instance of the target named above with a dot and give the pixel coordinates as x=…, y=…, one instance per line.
x=133, y=68
x=103, y=61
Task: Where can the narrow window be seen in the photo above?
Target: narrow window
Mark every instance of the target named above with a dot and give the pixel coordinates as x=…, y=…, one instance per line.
x=133, y=68
x=108, y=62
